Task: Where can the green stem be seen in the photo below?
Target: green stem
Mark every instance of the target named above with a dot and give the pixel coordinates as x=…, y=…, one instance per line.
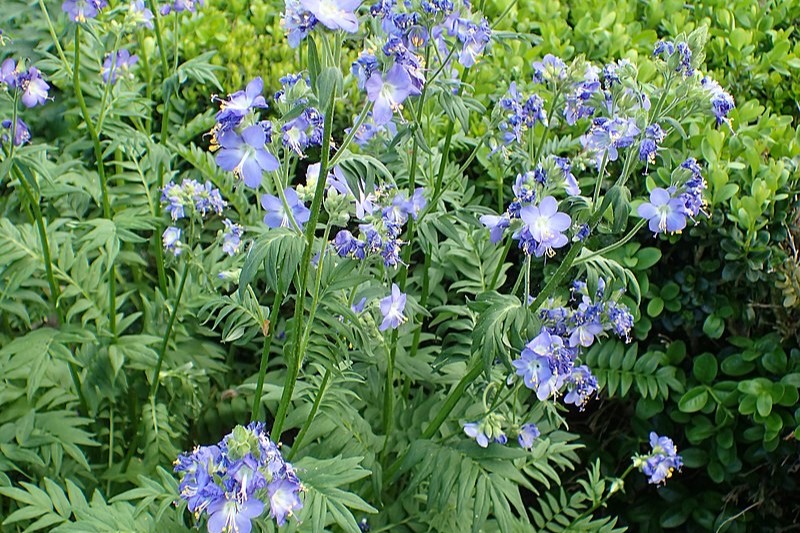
x=293, y=362
x=255, y=413
x=500, y=263
x=157, y=247
x=55, y=291
x=57, y=44
x=98, y=153
x=351, y=135
x=612, y=247
x=165, y=340
x=314, y=408
x=600, y=503
x=447, y=140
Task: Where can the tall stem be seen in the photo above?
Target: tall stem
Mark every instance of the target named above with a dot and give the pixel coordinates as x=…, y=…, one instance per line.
x=154, y=382
x=53, y=36
x=310, y=418
x=101, y=171
x=255, y=413
x=293, y=362
x=55, y=291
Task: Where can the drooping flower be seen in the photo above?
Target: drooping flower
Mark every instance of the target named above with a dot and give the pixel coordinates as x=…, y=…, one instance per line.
x=172, y=240
x=527, y=434
x=284, y=498
x=692, y=195
x=20, y=132
x=663, y=212
x=115, y=63
x=334, y=14
x=720, y=100
x=653, y=136
x=388, y=94
x=9, y=73
x=496, y=225
x=364, y=67
x=246, y=156
x=277, y=216
x=581, y=386
x=487, y=430
x=392, y=309
x=231, y=237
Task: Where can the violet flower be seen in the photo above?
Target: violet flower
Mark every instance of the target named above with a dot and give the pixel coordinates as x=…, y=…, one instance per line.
x=392, y=309
x=115, y=62
x=663, y=212
x=246, y=156
x=388, y=93
x=277, y=217
x=334, y=14
x=230, y=515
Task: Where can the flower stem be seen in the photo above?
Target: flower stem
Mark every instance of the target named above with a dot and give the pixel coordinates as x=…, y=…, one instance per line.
x=255, y=413
x=98, y=153
x=165, y=339
x=496, y=275
x=314, y=408
x=57, y=44
x=55, y=291
x=293, y=361
x=612, y=247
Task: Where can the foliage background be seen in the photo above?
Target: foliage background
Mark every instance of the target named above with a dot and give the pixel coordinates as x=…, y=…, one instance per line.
x=720, y=312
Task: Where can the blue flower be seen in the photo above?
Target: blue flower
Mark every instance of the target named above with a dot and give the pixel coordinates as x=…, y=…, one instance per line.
x=550, y=68
x=392, y=309
x=653, y=136
x=536, y=364
x=298, y=22
x=246, y=156
x=474, y=37
x=487, y=430
x=662, y=461
x=277, y=217
x=231, y=237
x=607, y=135
x=334, y=14
x=172, y=240
x=303, y=131
x=20, y=132
x=284, y=498
x=230, y=515
x=663, y=212
x=388, y=94
x=34, y=88
x=359, y=307
x=496, y=225
x=581, y=386
x=721, y=102
x=527, y=434
x=116, y=62
x=9, y=73
x=363, y=68
x=140, y=14
x=81, y=10
x=570, y=183
x=692, y=195
x=240, y=103
x=179, y=6
x=545, y=224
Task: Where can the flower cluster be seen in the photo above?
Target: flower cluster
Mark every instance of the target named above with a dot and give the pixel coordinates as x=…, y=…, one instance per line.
x=384, y=221
x=83, y=10
x=31, y=89
x=490, y=429
x=233, y=480
x=117, y=63
x=30, y=84
x=519, y=114
x=547, y=364
x=179, y=6
x=191, y=199
x=241, y=138
x=662, y=460
x=668, y=208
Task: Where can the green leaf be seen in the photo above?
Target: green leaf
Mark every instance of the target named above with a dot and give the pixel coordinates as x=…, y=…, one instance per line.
x=280, y=251
x=704, y=368
x=694, y=399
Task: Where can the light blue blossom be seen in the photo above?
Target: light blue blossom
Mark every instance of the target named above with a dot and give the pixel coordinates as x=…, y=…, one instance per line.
x=246, y=155
x=527, y=434
x=389, y=93
x=277, y=216
x=664, y=213
x=392, y=309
